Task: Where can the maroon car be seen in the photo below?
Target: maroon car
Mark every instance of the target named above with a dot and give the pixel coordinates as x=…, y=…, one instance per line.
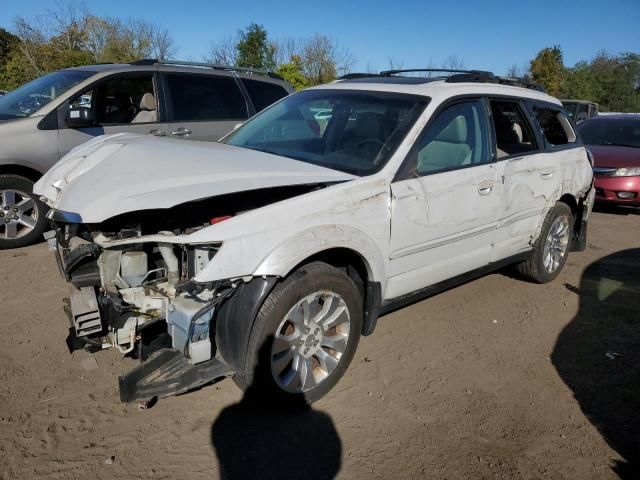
x=614, y=141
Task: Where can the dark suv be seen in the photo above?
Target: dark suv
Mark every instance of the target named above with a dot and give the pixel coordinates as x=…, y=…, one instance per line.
x=43, y=120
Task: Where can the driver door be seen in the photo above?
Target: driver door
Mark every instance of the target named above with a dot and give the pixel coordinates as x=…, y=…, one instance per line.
x=121, y=103
x=445, y=201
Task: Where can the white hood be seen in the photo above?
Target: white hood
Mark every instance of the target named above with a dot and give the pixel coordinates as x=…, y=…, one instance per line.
x=125, y=172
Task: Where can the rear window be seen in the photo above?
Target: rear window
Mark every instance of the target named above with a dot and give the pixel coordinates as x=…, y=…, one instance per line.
x=555, y=126
x=263, y=94
x=205, y=97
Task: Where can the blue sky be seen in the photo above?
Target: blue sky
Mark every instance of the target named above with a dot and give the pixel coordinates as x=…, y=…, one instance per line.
x=489, y=35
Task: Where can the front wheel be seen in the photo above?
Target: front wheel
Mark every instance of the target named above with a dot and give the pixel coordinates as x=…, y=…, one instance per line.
x=304, y=336
x=551, y=249
x=22, y=215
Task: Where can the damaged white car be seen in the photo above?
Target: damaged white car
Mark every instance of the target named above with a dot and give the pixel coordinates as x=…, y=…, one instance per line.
x=267, y=256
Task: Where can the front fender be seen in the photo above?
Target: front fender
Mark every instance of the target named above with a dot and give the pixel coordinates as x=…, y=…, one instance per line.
x=290, y=253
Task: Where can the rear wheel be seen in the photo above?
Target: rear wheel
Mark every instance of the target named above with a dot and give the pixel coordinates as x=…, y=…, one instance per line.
x=304, y=336
x=551, y=249
x=22, y=215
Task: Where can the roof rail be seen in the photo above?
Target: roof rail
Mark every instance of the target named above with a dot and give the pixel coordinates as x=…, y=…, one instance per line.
x=214, y=66
x=387, y=73
x=457, y=76
x=350, y=76
x=524, y=82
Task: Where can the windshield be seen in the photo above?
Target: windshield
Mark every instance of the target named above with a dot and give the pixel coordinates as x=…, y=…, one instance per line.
x=613, y=131
x=351, y=131
x=34, y=95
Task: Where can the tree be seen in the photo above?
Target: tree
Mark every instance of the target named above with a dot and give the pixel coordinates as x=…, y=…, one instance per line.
x=548, y=70
x=452, y=62
x=323, y=59
x=8, y=42
x=70, y=36
x=254, y=49
x=293, y=73
x=613, y=81
x=224, y=52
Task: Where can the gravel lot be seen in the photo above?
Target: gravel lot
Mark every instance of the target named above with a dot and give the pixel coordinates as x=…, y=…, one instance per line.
x=497, y=378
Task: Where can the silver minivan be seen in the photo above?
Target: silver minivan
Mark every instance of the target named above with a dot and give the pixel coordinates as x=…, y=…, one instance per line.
x=43, y=120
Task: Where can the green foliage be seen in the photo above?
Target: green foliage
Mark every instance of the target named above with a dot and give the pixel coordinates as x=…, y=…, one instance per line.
x=8, y=42
x=71, y=36
x=293, y=73
x=548, y=70
x=254, y=49
x=612, y=81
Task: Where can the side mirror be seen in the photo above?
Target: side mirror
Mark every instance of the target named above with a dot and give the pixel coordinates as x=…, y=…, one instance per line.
x=80, y=117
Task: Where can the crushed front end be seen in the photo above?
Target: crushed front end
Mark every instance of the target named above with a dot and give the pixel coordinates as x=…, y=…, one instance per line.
x=134, y=292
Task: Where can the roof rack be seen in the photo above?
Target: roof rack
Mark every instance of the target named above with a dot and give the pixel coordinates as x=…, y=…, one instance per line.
x=428, y=70
x=524, y=82
x=457, y=76
x=214, y=66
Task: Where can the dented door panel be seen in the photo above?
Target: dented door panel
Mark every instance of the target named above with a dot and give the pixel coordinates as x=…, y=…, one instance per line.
x=531, y=185
x=442, y=225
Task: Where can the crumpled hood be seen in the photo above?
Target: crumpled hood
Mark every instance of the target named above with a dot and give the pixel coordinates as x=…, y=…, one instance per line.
x=115, y=174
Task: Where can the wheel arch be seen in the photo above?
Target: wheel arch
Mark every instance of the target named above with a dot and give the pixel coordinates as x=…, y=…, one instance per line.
x=20, y=170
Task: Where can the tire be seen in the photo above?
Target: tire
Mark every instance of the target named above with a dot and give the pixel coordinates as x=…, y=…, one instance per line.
x=281, y=337
x=543, y=266
x=22, y=215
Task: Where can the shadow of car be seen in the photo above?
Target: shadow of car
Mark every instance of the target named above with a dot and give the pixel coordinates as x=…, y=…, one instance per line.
x=598, y=354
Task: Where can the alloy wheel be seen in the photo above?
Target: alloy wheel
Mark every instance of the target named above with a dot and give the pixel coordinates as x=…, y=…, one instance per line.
x=556, y=244
x=310, y=341
x=18, y=214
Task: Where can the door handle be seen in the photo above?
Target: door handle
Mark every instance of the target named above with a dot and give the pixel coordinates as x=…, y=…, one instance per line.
x=485, y=188
x=546, y=175
x=181, y=132
x=158, y=133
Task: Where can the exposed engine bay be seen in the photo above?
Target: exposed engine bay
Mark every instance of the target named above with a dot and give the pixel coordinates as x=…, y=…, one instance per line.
x=131, y=291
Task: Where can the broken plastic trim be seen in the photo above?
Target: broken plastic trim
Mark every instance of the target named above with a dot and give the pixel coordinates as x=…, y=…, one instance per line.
x=167, y=373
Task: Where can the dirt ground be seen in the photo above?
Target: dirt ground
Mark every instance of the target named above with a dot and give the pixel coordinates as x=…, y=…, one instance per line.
x=497, y=378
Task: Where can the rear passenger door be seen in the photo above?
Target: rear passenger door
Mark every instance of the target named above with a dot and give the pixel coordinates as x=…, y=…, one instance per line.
x=531, y=173
x=203, y=106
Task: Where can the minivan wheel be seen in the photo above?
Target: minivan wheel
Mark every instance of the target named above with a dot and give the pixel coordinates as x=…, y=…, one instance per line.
x=22, y=215
x=304, y=336
x=551, y=249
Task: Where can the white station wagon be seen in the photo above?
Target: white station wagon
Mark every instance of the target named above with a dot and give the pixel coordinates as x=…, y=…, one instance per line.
x=265, y=257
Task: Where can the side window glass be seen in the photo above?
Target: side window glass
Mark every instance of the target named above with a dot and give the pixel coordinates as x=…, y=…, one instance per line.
x=457, y=138
x=263, y=94
x=120, y=100
x=205, y=97
x=513, y=132
x=556, y=128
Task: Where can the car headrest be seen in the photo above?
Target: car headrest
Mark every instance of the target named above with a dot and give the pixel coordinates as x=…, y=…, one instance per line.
x=148, y=102
x=369, y=125
x=517, y=129
x=455, y=132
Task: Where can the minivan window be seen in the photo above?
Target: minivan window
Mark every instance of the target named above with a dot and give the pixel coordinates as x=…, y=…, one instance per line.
x=205, y=97
x=263, y=94
x=120, y=100
x=351, y=131
x=555, y=126
x=34, y=95
x=513, y=132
